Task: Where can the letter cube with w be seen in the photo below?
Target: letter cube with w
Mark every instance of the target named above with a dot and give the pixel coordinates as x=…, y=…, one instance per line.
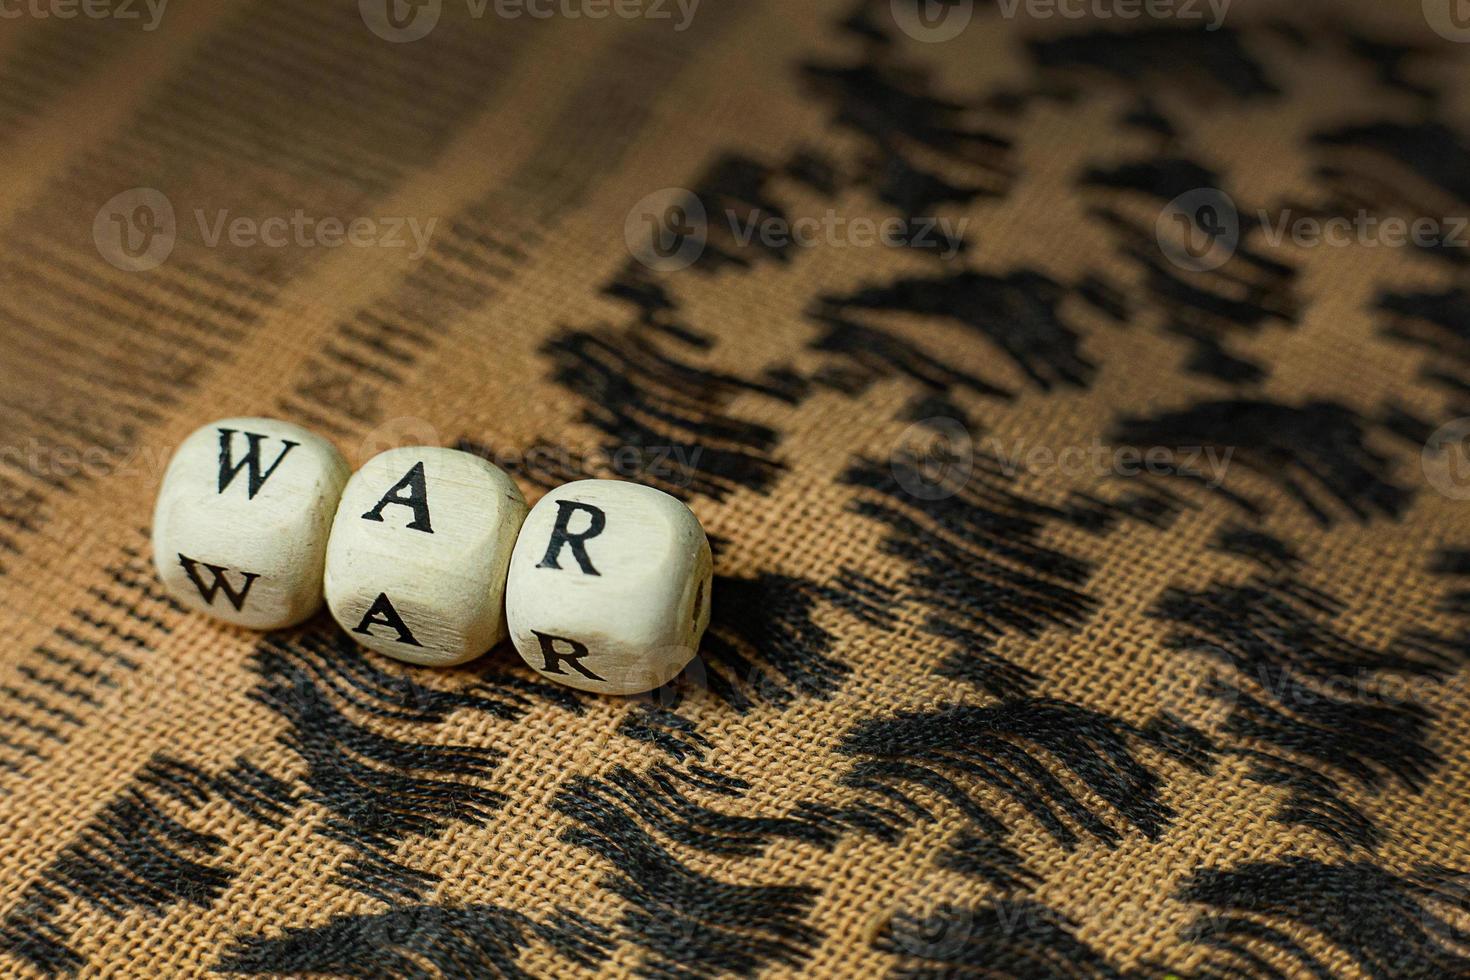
x=240, y=528
x=417, y=561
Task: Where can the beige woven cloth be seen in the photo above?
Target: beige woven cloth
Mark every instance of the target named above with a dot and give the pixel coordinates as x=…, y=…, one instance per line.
x=1085, y=605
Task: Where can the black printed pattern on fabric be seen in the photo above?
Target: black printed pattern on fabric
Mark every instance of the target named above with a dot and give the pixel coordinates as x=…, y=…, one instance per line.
x=640, y=383
x=689, y=924
x=1317, y=455
x=977, y=561
x=667, y=411
x=763, y=645
x=1008, y=938
x=83, y=660
x=379, y=789
x=1266, y=550
x=422, y=942
x=1017, y=313
x=1437, y=323
x=1013, y=750
x=1307, y=705
x=864, y=354
x=763, y=648
x=979, y=572
x=1211, y=309
x=905, y=127
x=1389, y=925
x=1402, y=168
x=382, y=790
x=891, y=104
x=1454, y=564
x=901, y=122
x=1159, y=56
x=734, y=189
x=1208, y=308
x=139, y=853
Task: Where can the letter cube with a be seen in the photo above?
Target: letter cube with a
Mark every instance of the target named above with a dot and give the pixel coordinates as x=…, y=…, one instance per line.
x=417, y=561
x=609, y=587
x=240, y=527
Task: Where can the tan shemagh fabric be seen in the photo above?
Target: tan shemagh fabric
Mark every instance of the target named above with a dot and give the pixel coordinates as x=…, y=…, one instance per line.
x=1085, y=605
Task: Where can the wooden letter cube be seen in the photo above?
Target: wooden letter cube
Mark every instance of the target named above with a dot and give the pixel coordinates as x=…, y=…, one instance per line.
x=240, y=529
x=417, y=562
x=609, y=587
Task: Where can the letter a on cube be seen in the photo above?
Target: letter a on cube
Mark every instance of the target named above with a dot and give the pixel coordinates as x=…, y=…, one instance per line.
x=417, y=562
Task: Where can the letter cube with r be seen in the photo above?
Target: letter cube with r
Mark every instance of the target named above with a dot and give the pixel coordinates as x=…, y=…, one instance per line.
x=429, y=555
x=609, y=587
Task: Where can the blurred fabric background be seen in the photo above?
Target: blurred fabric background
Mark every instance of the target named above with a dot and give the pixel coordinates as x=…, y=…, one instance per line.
x=1077, y=405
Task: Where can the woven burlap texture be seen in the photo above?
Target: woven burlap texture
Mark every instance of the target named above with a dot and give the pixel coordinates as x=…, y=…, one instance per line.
x=181, y=797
